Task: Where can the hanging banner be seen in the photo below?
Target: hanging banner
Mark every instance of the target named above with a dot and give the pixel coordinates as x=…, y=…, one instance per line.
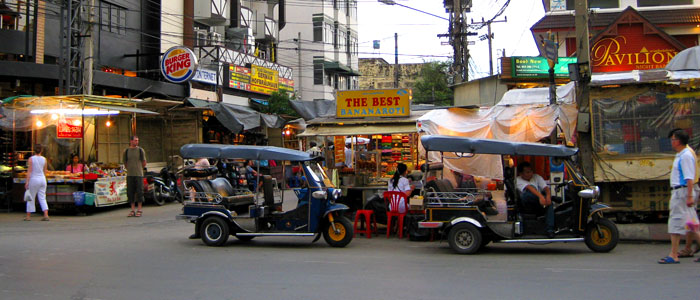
x=69, y=128
x=339, y=149
x=373, y=103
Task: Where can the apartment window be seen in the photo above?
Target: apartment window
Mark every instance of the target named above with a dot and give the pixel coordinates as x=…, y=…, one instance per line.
x=570, y=4
x=318, y=31
x=112, y=18
x=318, y=72
x=645, y=3
x=341, y=38
x=246, y=17
x=328, y=33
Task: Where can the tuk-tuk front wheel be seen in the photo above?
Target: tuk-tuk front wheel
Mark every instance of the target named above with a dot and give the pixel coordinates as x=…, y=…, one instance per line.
x=341, y=235
x=465, y=238
x=601, y=235
x=214, y=231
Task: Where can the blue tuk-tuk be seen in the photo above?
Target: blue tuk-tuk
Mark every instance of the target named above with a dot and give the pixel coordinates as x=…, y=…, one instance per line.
x=215, y=207
x=460, y=216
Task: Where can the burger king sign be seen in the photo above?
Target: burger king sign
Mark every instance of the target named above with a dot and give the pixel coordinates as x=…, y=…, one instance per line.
x=178, y=64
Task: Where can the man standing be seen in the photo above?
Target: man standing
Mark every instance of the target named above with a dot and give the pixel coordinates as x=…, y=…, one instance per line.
x=134, y=160
x=348, y=155
x=682, y=196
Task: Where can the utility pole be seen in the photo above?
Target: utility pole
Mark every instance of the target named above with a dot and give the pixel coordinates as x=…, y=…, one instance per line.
x=583, y=67
x=396, y=60
x=458, y=37
x=489, y=36
x=301, y=86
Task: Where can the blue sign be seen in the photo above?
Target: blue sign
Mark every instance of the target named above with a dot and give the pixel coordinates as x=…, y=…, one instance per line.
x=205, y=76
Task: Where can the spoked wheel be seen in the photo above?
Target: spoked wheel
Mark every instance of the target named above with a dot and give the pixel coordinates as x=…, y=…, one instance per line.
x=214, y=231
x=158, y=197
x=342, y=235
x=465, y=238
x=601, y=235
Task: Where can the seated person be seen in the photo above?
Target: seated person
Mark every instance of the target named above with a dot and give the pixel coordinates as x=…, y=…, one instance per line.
x=251, y=174
x=75, y=166
x=535, y=195
x=400, y=183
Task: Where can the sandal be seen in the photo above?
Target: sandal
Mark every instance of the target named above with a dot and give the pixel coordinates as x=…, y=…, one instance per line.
x=45, y=219
x=26, y=219
x=132, y=214
x=686, y=252
x=138, y=213
x=668, y=260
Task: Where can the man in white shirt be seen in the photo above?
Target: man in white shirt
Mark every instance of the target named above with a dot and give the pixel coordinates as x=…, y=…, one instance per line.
x=535, y=195
x=348, y=155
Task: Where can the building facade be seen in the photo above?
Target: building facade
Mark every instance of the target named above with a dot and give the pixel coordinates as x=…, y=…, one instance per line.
x=379, y=74
x=319, y=42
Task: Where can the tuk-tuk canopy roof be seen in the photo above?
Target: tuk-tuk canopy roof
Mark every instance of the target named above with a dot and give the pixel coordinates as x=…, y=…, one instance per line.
x=458, y=144
x=242, y=152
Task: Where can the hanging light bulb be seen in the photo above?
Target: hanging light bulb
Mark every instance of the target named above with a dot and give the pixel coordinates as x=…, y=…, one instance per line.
x=54, y=117
x=108, y=123
x=39, y=123
x=76, y=122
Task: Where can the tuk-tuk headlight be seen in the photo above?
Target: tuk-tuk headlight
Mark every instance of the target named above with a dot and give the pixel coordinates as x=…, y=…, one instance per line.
x=335, y=195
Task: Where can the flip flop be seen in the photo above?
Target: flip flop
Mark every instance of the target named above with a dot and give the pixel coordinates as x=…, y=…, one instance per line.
x=26, y=219
x=668, y=260
x=139, y=213
x=685, y=252
x=45, y=219
x=132, y=214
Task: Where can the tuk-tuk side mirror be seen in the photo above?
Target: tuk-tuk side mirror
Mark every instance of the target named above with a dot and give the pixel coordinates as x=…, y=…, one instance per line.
x=319, y=195
x=591, y=193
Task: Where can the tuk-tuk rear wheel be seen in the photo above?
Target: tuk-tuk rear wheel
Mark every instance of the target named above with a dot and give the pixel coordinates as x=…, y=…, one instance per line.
x=465, y=238
x=604, y=241
x=214, y=231
x=343, y=236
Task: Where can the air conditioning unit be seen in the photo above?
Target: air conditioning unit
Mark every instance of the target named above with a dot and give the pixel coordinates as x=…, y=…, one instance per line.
x=215, y=38
x=200, y=37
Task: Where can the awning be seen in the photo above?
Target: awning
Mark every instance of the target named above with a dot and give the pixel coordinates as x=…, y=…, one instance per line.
x=199, y=103
x=355, y=129
x=337, y=67
x=122, y=108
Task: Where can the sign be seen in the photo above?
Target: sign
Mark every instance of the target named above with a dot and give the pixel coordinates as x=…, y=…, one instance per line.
x=537, y=67
x=339, y=149
x=550, y=50
x=242, y=78
x=178, y=64
x=263, y=80
x=633, y=48
x=110, y=191
x=373, y=103
x=205, y=76
x=69, y=128
x=375, y=44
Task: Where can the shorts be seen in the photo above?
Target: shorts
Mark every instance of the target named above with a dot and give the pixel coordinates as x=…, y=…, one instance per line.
x=677, y=211
x=134, y=189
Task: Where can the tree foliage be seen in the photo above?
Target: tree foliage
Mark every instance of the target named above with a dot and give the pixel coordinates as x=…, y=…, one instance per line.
x=431, y=86
x=278, y=104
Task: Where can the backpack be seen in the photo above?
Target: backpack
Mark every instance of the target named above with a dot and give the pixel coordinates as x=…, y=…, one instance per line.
x=141, y=154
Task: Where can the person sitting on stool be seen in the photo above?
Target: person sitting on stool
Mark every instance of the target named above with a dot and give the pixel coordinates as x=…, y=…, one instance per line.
x=535, y=195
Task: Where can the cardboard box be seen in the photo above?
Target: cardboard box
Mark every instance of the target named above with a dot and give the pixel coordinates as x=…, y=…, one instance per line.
x=416, y=201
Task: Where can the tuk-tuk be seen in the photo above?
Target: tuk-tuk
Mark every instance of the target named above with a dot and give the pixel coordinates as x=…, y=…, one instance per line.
x=459, y=215
x=216, y=212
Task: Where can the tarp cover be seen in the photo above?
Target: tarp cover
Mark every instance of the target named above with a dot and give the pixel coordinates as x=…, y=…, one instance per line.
x=314, y=109
x=523, y=115
x=242, y=152
x=238, y=118
x=483, y=146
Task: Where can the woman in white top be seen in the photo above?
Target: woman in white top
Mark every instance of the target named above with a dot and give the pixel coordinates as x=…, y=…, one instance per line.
x=36, y=183
x=400, y=183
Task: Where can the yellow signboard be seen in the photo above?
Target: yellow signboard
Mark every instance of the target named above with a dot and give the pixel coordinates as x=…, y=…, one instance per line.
x=373, y=103
x=263, y=80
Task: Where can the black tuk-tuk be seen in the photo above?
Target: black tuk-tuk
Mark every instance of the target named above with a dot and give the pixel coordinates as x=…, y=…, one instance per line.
x=458, y=215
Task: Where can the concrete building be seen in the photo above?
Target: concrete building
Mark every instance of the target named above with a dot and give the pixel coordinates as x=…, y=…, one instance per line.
x=379, y=74
x=319, y=42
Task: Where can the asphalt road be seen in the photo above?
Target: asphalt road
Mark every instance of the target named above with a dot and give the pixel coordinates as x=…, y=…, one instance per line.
x=109, y=256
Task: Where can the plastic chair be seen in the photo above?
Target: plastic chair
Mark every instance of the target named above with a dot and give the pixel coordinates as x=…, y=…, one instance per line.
x=394, y=199
x=364, y=216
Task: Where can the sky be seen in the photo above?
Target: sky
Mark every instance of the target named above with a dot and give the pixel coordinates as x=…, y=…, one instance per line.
x=417, y=32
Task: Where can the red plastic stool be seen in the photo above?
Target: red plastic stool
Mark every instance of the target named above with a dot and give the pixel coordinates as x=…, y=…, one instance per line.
x=363, y=215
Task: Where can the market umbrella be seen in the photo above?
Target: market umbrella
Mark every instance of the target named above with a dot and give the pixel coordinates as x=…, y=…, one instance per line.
x=688, y=59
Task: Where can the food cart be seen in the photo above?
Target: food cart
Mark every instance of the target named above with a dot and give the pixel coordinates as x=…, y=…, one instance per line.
x=71, y=124
x=381, y=129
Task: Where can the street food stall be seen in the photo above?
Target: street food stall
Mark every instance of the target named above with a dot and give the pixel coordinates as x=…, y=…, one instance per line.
x=95, y=128
x=380, y=130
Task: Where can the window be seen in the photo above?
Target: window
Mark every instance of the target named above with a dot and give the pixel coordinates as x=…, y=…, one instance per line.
x=570, y=4
x=645, y=3
x=246, y=17
x=112, y=18
x=341, y=38
x=318, y=31
x=328, y=33
x=318, y=72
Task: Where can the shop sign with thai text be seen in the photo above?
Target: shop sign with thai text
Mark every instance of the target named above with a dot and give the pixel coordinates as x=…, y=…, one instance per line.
x=373, y=103
x=258, y=80
x=631, y=49
x=537, y=67
x=69, y=128
x=339, y=149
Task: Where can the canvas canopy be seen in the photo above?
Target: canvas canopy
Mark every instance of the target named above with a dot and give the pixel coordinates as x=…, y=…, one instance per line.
x=523, y=115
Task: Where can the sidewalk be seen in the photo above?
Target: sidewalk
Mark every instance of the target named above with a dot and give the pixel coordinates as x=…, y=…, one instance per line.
x=644, y=232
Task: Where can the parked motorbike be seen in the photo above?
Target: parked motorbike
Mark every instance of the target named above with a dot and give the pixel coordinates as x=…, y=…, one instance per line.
x=161, y=187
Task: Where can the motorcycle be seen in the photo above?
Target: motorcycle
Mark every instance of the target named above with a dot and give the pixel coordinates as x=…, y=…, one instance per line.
x=161, y=188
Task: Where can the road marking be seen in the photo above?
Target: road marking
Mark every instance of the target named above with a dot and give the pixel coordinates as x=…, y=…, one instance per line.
x=591, y=270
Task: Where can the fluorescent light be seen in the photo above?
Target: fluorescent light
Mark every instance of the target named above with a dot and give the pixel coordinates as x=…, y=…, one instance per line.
x=75, y=112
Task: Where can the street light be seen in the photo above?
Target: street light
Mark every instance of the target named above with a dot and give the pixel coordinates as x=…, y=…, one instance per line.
x=392, y=2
